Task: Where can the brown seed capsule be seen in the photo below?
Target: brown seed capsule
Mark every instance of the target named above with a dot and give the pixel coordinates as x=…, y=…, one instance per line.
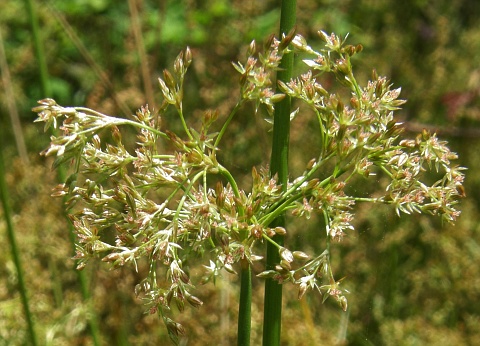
x=320, y=90
x=249, y=212
x=256, y=232
x=267, y=274
x=194, y=301
x=169, y=80
x=287, y=39
x=277, y=98
x=379, y=88
x=312, y=183
x=47, y=102
x=270, y=232
x=355, y=103
x=174, y=327
x=251, y=48
x=349, y=49
x=340, y=106
x=285, y=265
x=269, y=41
x=178, y=66
x=184, y=277
x=286, y=254
x=299, y=255
x=311, y=163
x=343, y=303
x=96, y=141
x=188, y=57
x=302, y=288
x=116, y=135
x=280, y=269
x=169, y=297
x=59, y=190
x=342, y=66
x=111, y=257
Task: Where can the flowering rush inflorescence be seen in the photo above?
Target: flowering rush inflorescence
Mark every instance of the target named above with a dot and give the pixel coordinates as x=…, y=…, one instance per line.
x=168, y=207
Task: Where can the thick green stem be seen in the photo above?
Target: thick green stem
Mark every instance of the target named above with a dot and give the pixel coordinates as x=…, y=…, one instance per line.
x=279, y=165
x=16, y=253
x=244, y=324
x=245, y=304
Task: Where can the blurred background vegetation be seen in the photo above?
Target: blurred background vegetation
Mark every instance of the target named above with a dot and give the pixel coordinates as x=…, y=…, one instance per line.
x=413, y=280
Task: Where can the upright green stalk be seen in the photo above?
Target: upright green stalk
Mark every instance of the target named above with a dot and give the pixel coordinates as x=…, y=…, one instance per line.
x=279, y=165
x=46, y=92
x=245, y=304
x=16, y=253
x=38, y=47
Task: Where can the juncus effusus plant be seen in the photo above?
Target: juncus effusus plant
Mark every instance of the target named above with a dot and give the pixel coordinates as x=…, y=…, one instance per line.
x=169, y=201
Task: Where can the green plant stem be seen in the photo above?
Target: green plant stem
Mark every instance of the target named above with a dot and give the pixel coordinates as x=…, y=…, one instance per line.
x=38, y=47
x=44, y=82
x=244, y=324
x=245, y=304
x=225, y=125
x=184, y=123
x=279, y=165
x=16, y=253
x=226, y=173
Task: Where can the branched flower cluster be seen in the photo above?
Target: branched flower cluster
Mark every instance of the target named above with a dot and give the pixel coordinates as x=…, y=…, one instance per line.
x=169, y=200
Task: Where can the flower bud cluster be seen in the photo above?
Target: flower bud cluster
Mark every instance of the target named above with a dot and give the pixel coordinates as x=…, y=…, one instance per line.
x=258, y=73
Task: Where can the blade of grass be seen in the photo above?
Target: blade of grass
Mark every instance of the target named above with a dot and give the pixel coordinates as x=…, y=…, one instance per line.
x=137, y=33
x=38, y=47
x=89, y=59
x=279, y=166
x=12, y=107
x=16, y=253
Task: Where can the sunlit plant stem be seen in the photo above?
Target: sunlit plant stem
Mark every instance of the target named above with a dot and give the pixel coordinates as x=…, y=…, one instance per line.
x=279, y=166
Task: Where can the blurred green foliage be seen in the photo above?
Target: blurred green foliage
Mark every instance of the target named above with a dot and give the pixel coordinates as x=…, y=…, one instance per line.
x=413, y=281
